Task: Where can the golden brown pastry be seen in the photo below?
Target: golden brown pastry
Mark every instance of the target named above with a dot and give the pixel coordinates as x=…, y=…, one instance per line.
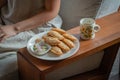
x=69, y=43
x=51, y=40
x=55, y=34
x=61, y=31
x=68, y=36
x=63, y=46
x=56, y=50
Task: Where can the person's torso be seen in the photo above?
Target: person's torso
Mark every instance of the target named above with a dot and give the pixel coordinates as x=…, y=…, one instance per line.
x=18, y=10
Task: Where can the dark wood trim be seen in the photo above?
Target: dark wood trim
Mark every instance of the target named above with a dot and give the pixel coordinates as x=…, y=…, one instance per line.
x=109, y=58
x=91, y=75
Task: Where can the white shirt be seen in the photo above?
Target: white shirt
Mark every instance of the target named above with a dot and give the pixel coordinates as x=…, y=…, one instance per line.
x=18, y=10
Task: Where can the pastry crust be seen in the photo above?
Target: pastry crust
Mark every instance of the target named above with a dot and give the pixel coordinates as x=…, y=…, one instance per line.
x=61, y=31
x=51, y=40
x=55, y=34
x=60, y=41
x=70, y=37
x=56, y=50
x=69, y=43
x=63, y=46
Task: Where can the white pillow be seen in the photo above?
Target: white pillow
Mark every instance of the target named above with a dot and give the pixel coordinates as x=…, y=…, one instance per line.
x=73, y=10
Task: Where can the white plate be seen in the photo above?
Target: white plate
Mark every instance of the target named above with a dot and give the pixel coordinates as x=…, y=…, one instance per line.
x=50, y=56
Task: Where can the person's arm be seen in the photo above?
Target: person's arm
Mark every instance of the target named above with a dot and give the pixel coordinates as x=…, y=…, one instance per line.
x=2, y=3
x=49, y=12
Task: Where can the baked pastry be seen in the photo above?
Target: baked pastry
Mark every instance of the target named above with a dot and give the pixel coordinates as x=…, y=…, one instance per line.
x=55, y=34
x=69, y=43
x=70, y=37
x=63, y=46
x=60, y=41
x=61, y=31
x=51, y=40
x=56, y=50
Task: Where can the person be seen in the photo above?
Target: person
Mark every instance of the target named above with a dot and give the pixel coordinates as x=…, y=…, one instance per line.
x=19, y=21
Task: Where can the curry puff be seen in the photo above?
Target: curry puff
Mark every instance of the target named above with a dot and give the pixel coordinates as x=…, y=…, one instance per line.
x=61, y=31
x=56, y=50
x=55, y=34
x=70, y=37
x=63, y=46
x=51, y=40
x=69, y=43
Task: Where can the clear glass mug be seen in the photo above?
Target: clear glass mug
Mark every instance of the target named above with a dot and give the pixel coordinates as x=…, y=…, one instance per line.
x=88, y=27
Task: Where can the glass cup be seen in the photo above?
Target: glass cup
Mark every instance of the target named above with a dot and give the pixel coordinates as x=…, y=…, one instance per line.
x=88, y=27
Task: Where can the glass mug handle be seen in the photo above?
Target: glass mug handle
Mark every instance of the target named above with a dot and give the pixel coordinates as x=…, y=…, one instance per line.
x=96, y=28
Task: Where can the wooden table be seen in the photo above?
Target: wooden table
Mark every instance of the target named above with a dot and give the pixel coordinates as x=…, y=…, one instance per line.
x=107, y=39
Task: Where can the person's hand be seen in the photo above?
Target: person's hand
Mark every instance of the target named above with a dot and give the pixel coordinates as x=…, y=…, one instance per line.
x=6, y=32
